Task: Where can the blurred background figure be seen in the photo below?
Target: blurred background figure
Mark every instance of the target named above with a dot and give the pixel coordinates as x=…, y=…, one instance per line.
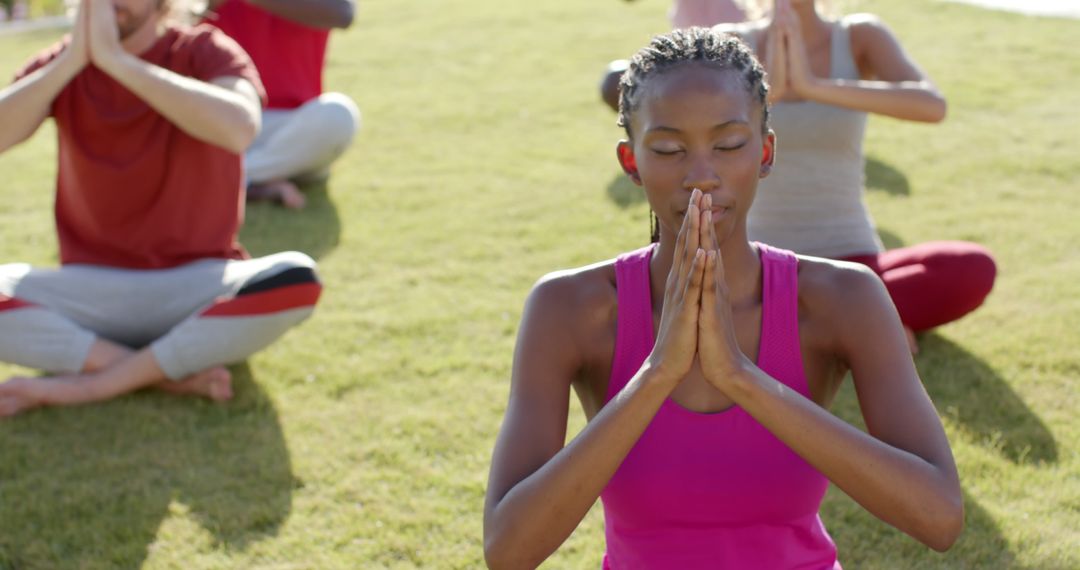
x=14, y=10
x=304, y=130
x=153, y=288
x=826, y=73
x=683, y=14
x=706, y=13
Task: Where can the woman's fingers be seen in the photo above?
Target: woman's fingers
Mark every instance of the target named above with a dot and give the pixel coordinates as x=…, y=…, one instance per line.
x=685, y=247
x=713, y=240
x=718, y=272
x=682, y=255
x=708, y=294
x=693, y=285
x=705, y=225
x=674, y=282
x=692, y=215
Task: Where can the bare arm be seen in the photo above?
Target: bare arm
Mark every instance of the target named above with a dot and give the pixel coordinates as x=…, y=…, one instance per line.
x=323, y=14
x=538, y=490
x=225, y=111
x=892, y=84
x=902, y=471
x=25, y=104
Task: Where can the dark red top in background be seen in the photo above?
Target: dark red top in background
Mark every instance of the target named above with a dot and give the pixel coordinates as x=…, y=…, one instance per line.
x=133, y=190
x=289, y=56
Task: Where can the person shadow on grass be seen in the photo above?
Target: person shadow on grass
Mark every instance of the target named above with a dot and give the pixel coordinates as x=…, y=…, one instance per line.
x=316, y=233
x=969, y=393
x=91, y=487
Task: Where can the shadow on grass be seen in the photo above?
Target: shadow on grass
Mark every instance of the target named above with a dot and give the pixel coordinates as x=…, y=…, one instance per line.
x=969, y=392
x=90, y=487
x=889, y=239
x=865, y=542
x=623, y=192
x=315, y=230
x=881, y=176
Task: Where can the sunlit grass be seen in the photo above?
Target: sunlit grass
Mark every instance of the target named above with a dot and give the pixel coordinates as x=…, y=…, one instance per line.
x=485, y=160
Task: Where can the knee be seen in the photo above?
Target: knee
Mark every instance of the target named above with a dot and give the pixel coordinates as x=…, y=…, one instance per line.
x=290, y=269
x=972, y=271
x=339, y=118
x=10, y=276
x=983, y=272
x=609, y=84
x=298, y=262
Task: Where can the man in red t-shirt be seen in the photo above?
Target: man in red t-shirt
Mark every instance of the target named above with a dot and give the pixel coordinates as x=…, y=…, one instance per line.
x=153, y=288
x=304, y=129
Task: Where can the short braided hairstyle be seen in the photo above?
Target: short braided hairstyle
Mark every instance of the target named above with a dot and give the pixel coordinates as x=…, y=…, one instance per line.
x=691, y=45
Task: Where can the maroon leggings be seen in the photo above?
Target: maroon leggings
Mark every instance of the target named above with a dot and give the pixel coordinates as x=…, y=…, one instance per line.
x=936, y=282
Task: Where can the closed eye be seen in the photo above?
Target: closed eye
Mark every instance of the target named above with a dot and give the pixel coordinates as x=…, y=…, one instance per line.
x=664, y=152
x=731, y=147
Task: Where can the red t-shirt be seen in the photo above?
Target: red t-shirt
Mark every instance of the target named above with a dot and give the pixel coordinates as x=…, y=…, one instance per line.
x=133, y=190
x=289, y=56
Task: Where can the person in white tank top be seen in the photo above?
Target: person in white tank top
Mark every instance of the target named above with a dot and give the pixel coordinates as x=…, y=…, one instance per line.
x=825, y=76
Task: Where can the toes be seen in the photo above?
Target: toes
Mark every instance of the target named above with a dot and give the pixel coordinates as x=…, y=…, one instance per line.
x=10, y=406
x=292, y=197
x=220, y=385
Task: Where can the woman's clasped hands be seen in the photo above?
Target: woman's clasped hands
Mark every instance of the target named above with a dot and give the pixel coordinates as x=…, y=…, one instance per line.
x=786, y=61
x=696, y=321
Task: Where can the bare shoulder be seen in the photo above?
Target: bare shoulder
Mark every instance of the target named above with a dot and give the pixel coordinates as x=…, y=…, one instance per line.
x=567, y=336
x=579, y=299
x=830, y=284
x=849, y=306
x=868, y=32
x=747, y=31
x=839, y=293
x=865, y=23
x=749, y=26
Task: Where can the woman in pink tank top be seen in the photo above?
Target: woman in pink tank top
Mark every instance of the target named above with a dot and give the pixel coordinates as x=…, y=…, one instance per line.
x=706, y=363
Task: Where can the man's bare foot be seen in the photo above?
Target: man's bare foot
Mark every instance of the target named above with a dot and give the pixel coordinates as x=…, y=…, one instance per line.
x=20, y=394
x=913, y=343
x=282, y=191
x=213, y=383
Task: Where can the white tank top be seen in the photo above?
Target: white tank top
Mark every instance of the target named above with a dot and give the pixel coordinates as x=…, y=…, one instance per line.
x=812, y=201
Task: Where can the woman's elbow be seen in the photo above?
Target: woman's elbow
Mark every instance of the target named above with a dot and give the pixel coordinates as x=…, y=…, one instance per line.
x=944, y=528
x=494, y=557
x=501, y=552
x=497, y=555
x=937, y=110
x=932, y=108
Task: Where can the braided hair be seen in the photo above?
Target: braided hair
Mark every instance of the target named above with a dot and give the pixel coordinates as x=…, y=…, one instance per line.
x=691, y=45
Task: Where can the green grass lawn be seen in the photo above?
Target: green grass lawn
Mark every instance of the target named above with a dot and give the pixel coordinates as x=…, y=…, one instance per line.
x=485, y=160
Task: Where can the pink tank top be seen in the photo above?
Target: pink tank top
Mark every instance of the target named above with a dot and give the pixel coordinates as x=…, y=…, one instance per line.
x=714, y=490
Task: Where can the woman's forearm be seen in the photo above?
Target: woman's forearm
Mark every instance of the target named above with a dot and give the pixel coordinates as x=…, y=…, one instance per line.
x=912, y=493
x=908, y=100
x=533, y=518
x=25, y=104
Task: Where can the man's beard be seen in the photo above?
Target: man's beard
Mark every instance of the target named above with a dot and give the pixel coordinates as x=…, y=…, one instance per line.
x=128, y=23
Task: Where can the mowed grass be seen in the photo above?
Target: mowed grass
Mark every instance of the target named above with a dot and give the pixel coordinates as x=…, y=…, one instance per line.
x=362, y=439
